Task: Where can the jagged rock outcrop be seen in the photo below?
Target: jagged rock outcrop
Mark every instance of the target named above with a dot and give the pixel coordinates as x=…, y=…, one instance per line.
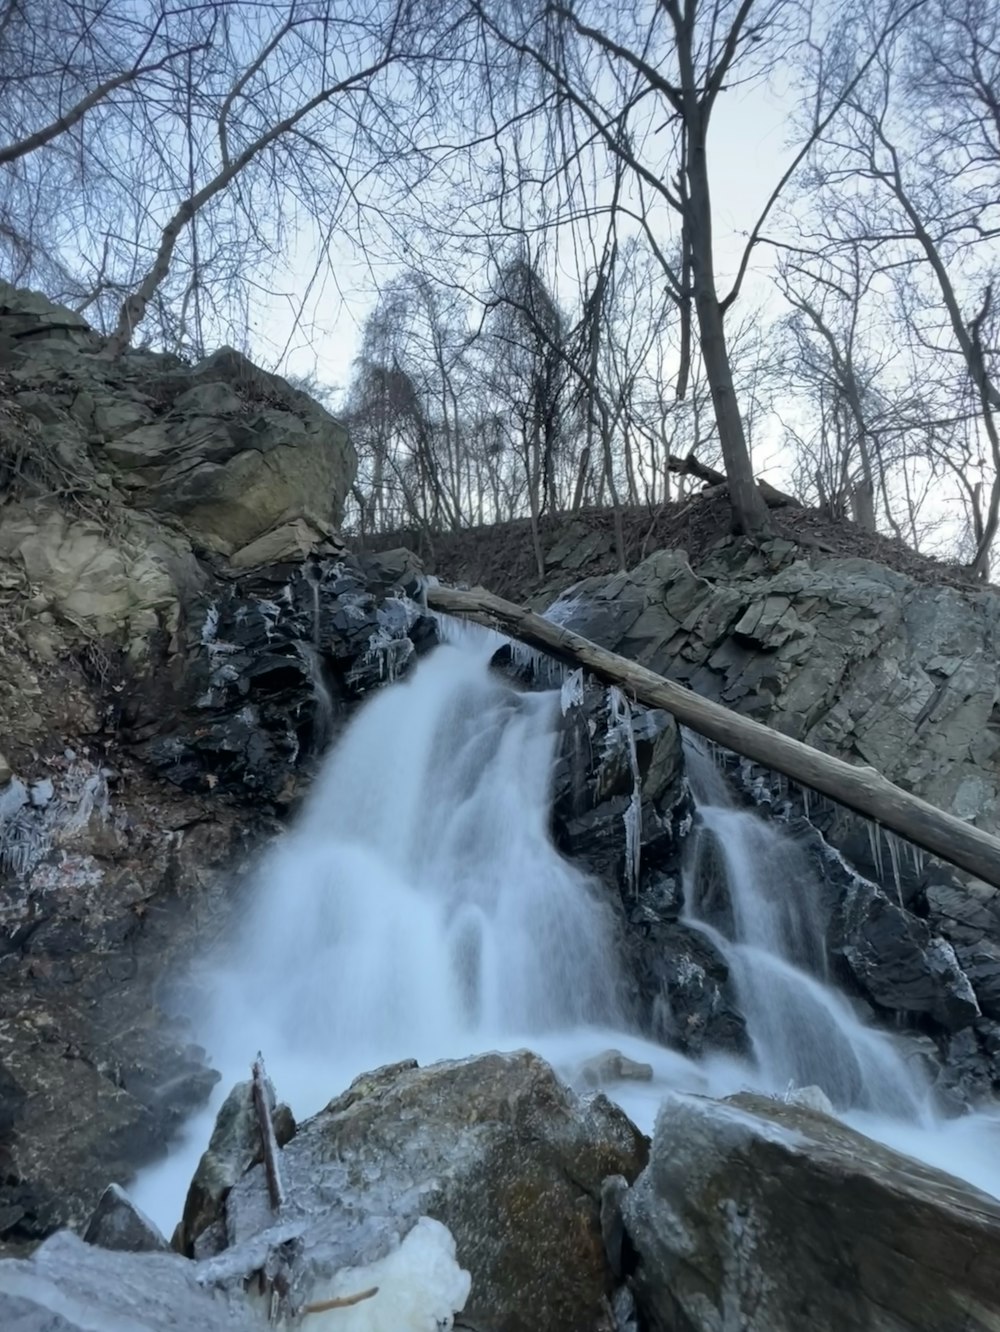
x=220, y=451
x=847, y=655
x=165, y=684
x=117, y=857
x=871, y=665
x=770, y=1217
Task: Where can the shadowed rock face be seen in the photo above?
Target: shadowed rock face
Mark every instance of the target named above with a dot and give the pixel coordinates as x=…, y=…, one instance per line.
x=765, y=1217
x=845, y=654
x=157, y=712
x=111, y=878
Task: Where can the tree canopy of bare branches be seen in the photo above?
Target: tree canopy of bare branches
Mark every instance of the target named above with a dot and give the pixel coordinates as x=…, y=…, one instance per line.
x=530, y=188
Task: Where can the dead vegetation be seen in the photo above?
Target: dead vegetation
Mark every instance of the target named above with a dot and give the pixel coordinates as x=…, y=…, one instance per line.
x=501, y=556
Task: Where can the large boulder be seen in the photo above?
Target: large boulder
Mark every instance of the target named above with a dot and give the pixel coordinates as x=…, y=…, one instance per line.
x=244, y=464
x=758, y=1216
x=496, y=1148
x=233, y=452
x=70, y=1286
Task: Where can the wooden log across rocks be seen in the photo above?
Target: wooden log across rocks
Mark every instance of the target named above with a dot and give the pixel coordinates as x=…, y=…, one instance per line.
x=861, y=789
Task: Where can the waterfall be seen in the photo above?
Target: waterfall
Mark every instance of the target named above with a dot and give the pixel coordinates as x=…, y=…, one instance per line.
x=751, y=890
x=418, y=909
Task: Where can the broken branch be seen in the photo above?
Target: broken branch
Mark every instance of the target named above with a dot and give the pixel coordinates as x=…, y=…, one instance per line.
x=340, y=1302
x=269, y=1143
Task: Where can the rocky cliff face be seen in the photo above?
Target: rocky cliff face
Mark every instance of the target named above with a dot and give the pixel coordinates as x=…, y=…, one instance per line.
x=847, y=655
x=155, y=707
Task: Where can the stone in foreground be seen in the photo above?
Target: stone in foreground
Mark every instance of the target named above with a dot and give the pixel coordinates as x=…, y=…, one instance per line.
x=70, y=1286
x=118, y=1224
x=496, y=1148
x=757, y=1216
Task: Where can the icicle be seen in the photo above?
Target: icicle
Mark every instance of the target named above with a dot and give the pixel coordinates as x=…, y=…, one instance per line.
x=805, y=801
x=620, y=733
x=216, y=648
x=571, y=694
x=389, y=652
x=421, y=584
x=892, y=841
x=875, y=845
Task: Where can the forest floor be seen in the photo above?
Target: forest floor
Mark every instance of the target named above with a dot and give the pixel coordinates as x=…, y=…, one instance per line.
x=501, y=556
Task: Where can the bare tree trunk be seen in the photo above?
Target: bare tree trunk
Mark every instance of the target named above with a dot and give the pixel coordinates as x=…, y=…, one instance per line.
x=749, y=511
x=581, y=478
x=863, y=505
x=861, y=789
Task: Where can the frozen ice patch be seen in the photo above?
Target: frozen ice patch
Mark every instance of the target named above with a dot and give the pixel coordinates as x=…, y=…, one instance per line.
x=420, y=1287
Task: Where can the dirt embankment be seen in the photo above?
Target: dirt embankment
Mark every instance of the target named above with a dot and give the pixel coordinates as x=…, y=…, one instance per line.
x=501, y=556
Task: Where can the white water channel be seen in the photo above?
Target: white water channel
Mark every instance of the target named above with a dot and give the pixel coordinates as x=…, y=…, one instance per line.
x=418, y=909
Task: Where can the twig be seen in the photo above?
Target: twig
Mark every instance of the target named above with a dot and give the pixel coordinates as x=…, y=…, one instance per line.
x=341, y=1301
x=269, y=1142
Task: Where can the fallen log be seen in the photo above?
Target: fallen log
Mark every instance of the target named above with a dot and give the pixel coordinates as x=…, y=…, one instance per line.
x=691, y=466
x=861, y=789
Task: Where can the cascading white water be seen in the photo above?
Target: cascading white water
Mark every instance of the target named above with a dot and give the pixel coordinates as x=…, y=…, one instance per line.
x=417, y=908
x=804, y=1032
x=418, y=905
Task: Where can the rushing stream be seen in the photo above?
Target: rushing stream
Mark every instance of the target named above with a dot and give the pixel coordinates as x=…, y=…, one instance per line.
x=418, y=909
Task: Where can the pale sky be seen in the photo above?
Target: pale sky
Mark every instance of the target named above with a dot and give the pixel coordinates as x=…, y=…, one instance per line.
x=748, y=154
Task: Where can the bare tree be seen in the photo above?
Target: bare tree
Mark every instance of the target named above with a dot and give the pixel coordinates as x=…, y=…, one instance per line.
x=912, y=176
x=831, y=353
x=76, y=80
x=198, y=150
x=640, y=87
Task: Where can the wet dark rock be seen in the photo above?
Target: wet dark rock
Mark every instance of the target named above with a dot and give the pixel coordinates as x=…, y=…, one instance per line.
x=898, y=963
x=768, y=1217
x=601, y=764
x=685, y=984
x=118, y=1224
x=273, y=667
